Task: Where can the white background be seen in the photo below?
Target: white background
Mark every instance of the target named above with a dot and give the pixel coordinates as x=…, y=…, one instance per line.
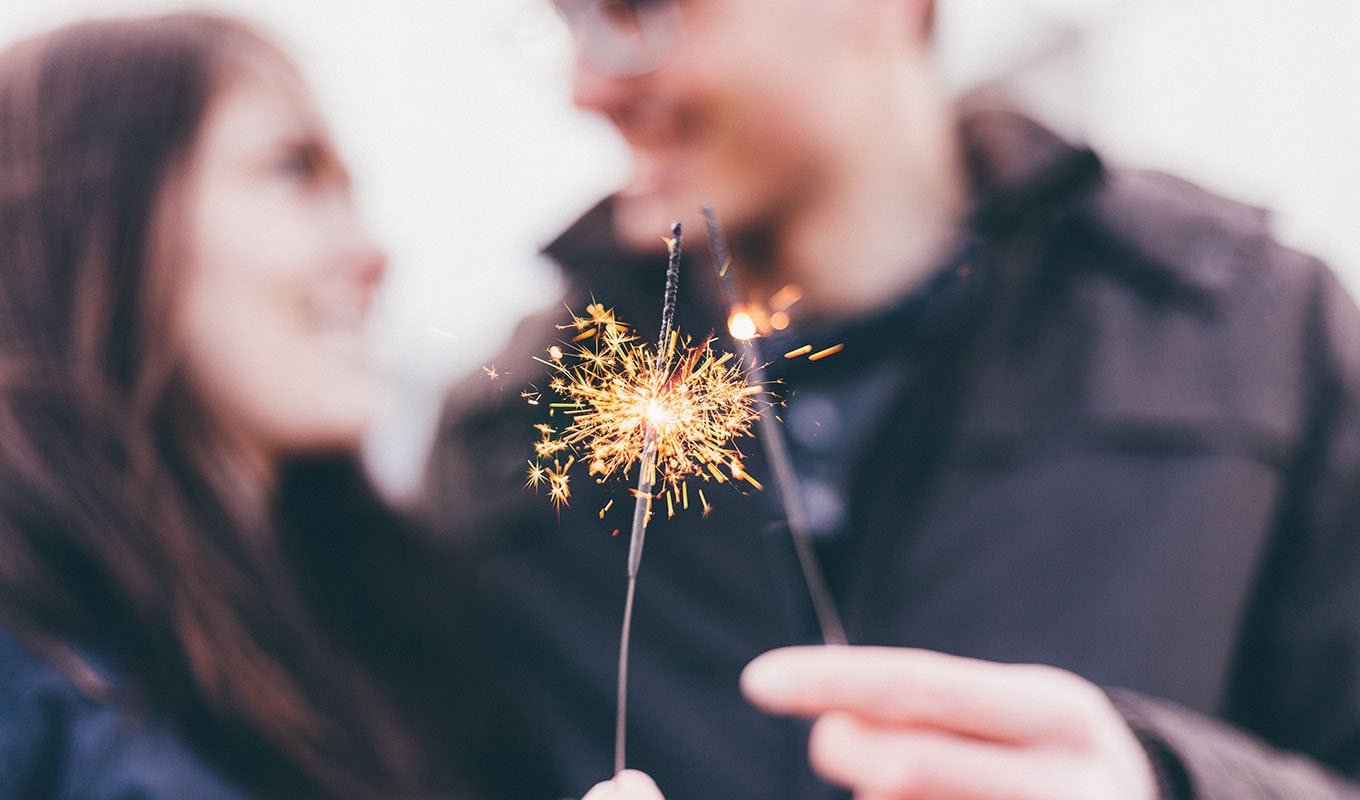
x=454, y=116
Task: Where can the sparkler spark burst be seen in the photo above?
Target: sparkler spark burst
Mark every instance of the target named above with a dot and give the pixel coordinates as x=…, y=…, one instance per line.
x=612, y=389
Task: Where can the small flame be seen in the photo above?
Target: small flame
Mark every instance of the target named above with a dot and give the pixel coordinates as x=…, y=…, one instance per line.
x=741, y=326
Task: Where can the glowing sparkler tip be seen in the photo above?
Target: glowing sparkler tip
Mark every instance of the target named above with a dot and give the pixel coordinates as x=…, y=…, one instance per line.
x=741, y=326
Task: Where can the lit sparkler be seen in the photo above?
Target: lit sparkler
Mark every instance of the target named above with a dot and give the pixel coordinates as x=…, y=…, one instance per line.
x=674, y=412
x=613, y=393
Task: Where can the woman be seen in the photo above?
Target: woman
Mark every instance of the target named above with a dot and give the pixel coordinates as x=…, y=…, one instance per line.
x=199, y=596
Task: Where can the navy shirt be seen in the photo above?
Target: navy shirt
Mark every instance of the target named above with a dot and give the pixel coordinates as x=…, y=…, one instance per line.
x=57, y=742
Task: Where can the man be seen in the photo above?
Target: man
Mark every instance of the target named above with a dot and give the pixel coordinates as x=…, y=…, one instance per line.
x=1087, y=428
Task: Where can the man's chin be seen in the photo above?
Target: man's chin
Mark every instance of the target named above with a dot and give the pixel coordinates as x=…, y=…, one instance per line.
x=641, y=222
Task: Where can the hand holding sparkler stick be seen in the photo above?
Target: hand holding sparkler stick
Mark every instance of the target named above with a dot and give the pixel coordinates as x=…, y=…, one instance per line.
x=777, y=453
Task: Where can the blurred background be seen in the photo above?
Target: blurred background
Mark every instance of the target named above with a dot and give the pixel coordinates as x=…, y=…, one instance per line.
x=468, y=156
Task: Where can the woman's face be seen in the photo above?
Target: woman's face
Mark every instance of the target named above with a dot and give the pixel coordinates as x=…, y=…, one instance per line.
x=280, y=276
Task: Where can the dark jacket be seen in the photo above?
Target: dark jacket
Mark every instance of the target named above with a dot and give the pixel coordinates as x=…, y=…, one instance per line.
x=1123, y=438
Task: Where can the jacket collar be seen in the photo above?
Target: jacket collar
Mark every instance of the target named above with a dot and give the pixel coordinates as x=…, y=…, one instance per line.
x=1173, y=231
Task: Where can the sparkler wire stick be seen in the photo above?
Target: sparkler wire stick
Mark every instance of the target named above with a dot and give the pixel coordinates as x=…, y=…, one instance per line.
x=642, y=507
x=777, y=454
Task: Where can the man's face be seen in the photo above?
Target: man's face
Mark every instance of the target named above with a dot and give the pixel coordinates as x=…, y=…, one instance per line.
x=746, y=105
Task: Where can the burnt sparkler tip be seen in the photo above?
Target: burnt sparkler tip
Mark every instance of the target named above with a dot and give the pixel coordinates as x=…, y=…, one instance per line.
x=675, y=229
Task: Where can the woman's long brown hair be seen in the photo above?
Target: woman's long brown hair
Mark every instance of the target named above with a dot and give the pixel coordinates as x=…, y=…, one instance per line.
x=120, y=529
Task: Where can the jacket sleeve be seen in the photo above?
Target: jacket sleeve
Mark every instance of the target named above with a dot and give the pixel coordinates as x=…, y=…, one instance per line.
x=1200, y=758
x=1291, y=718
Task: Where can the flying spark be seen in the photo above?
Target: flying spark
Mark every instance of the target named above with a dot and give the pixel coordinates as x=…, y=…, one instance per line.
x=830, y=351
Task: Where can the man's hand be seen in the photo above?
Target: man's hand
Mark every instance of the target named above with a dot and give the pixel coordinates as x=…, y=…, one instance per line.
x=900, y=723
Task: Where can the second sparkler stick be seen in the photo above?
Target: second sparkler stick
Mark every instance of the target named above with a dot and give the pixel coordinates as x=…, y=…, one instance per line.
x=777, y=454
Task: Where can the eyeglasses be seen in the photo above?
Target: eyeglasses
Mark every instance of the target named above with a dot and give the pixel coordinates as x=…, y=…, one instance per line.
x=622, y=38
